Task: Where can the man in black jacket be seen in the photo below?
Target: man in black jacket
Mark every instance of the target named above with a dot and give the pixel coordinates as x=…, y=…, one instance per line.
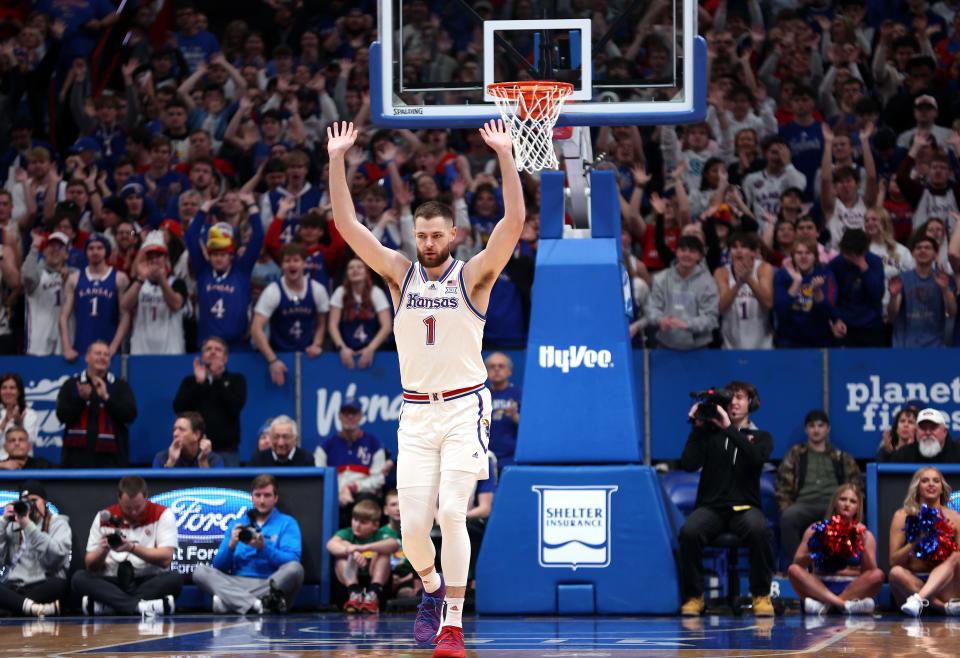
x=933, y=444
x=218, y=396
x=284, y=447
x=731, y=452
x=96, y=409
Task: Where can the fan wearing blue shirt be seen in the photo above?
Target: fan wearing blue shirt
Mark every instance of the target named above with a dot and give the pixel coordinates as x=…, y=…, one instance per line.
x=257, y=567
x=505, y=398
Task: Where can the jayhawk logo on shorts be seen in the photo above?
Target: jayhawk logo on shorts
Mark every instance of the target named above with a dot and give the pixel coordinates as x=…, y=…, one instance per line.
x=486, y=428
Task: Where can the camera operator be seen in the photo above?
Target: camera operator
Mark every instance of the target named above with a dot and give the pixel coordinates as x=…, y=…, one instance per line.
x=257, y=567
x=731, y=452
x=35, y=546
x=129, y=551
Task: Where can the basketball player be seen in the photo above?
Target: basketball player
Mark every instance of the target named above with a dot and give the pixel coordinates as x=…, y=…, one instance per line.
x=94, y=292
x=444, y=426
x=156, y=300
x=296, y=308
x=43, y=279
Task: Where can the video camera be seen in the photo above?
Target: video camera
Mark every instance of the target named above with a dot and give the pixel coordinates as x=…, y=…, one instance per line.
x=114, y=539
x=708, y=402
x=249, y=531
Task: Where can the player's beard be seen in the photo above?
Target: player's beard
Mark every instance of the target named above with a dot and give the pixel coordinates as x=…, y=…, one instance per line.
x=434, y=261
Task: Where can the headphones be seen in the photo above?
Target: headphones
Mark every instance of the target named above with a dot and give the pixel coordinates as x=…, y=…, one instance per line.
x=754, y=403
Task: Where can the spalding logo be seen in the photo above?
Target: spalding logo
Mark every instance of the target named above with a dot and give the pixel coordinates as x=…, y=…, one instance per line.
x=204, y=513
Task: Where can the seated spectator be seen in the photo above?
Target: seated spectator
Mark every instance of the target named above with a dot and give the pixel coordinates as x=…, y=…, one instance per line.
x=14, y=411
x=223, y=279
x=903, y=432
x=285, y=447
x=911, y=557
x=96, y=409
x=861, y=579
x=258, y=570
x=263, y=437
x=35, y=555
x=860, y=280
x=218, y=396
x=745, y=288
x=129, y=551
x=357, y=455
x=17, y=446
x=404, y=580
x=296, y=308
x=361, y=556
x=933, y=444
x=505, y=397
x=156, y=300
x=683, y=303
x=921, y=299
x=360, y=323
x=803, y=296
x=189, y=448
x=807, y=478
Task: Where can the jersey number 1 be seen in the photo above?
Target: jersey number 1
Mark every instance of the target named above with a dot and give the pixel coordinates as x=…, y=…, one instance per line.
x=431, y=323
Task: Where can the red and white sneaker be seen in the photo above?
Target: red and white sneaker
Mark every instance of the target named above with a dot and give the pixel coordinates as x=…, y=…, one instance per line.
x=449, y=643
x=371, y=603
x=354, y=603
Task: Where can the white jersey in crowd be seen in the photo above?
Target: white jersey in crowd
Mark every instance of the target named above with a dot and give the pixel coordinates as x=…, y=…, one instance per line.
x=762, y=189
x=746, y=323
x=439, y=333
x=941, y=206
x=843, y=219
x=157, y=329
x=43, y=312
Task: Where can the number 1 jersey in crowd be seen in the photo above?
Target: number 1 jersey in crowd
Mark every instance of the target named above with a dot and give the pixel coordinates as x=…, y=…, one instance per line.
x=439, y=333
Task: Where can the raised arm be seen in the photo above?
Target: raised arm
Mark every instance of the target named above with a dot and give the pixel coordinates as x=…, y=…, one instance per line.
x=871, y=190
x=388, y=263
x=827, y=197
x=484, y=268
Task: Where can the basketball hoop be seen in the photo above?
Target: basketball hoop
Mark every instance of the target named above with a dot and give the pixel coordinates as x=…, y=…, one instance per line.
x=530, y=110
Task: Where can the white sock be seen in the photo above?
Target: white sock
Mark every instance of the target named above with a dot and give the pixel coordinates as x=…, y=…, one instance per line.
x=257, y=606
x=28, y=606
x=454, y=613
x=431, y=582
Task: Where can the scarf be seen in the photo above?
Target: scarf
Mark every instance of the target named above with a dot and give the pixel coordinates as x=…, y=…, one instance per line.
x=94, y=416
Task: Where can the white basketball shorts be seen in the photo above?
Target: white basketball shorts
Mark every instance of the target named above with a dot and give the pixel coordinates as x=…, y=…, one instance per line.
x=443, y=435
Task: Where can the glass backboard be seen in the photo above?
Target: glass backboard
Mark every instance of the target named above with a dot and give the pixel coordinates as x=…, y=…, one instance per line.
x=634, y=63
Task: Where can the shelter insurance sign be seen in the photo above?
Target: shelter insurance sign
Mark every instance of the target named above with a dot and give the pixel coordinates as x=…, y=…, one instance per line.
x=574, y=526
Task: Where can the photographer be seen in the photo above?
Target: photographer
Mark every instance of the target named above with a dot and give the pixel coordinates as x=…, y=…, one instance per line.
x=35, y=546
x=129, y=551
x=731, y=452
x=257, y=567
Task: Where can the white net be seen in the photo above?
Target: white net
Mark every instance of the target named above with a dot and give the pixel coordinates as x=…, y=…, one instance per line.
x=530, y=110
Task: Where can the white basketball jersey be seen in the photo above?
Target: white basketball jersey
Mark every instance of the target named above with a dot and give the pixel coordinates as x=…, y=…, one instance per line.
x=746, y=324
x=43, y=315
x=156, y=329
x=439, y=333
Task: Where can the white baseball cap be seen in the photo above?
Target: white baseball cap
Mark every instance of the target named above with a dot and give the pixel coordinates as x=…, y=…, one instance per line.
x=932, y=416
x=154, y=242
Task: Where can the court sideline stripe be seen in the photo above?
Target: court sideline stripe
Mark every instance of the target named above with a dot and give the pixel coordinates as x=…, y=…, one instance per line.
x=94, y=650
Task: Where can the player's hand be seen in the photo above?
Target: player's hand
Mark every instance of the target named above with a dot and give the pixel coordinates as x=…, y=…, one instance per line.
x=278, y=372
x=340, y=137
x=497, y=136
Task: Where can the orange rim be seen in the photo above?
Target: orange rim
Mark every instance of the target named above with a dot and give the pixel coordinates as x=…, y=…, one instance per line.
x=538, y=95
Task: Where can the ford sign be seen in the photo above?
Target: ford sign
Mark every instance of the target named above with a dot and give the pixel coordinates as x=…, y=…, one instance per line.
x=204, y=513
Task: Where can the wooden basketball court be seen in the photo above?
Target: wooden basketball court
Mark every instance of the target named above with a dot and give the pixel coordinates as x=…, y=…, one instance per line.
x=337, y=635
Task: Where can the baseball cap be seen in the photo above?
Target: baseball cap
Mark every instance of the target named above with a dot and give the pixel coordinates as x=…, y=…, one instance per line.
x=84, y=144
x=220, y=237
x=58, y=236
x=350, y=404
x=931, y=415
x=173, y=226
x=926, y=99
x=131, y=188
x=102, y=239
x=154, y=242
x=33, y=487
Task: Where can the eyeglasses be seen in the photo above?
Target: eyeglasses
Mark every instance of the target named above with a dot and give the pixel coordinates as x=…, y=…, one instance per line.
x=127, y=232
